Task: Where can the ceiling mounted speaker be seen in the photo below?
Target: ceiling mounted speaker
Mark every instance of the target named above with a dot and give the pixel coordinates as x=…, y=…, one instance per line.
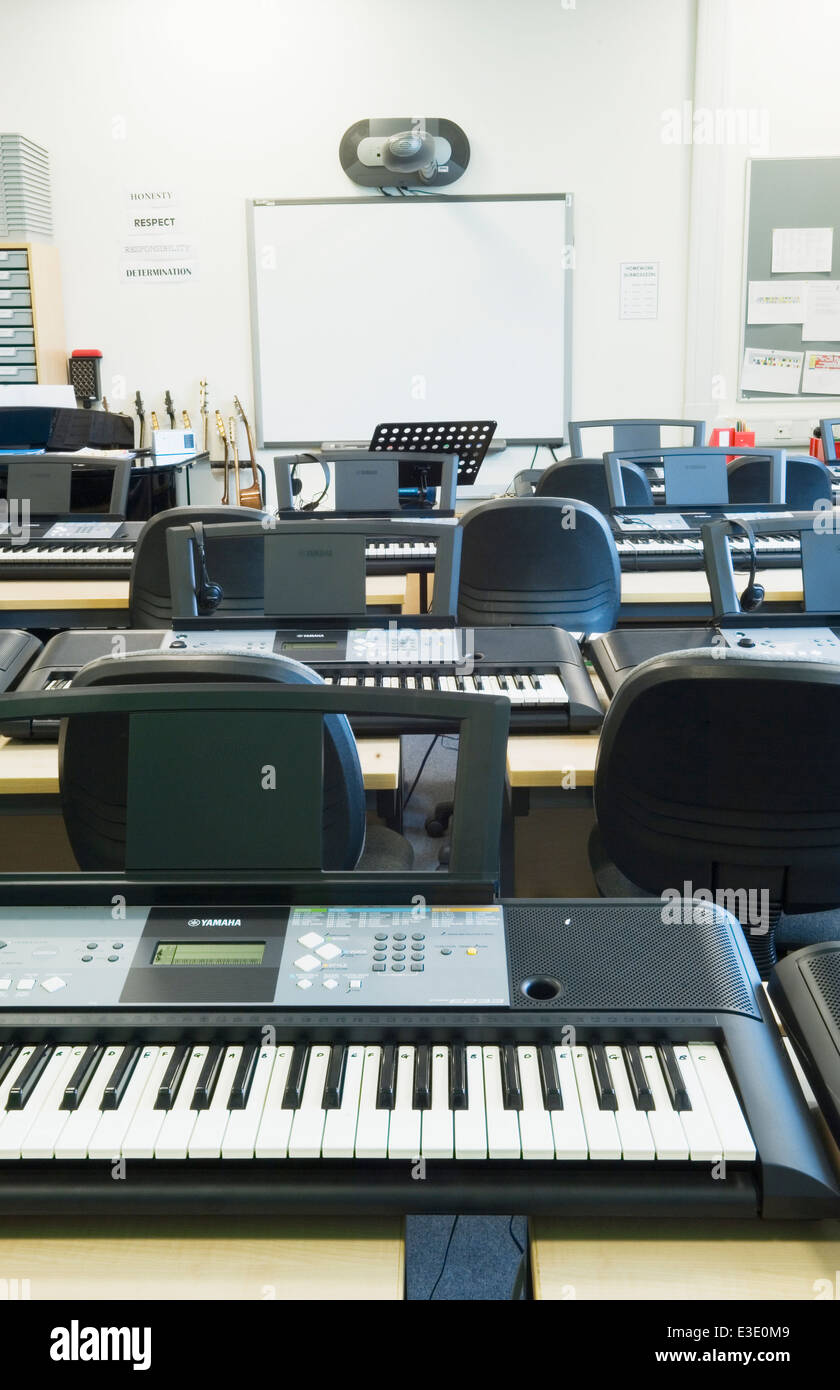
x=404, y=152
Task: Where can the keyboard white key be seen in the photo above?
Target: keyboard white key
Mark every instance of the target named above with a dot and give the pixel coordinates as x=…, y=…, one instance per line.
x=601, y=1130
x=703, y=1139
x=503, y=1139
x=437, y=1136
x=113, y=1126
x=41, y=1137
x=633, y=1128
x=76, y=1136
x=372, y=1128
x=276, y=1122
x=308, y=1124
x=147, y=1121
x=729, y=1121
x=471, y=1123
x=243, y=1126
x=404, y=1129
x=209, y=1128
x=340, y=1129
x=668, y=1134
x=567, y=1124
x=534, y=1120
x=173, y=1140
x=17, y=1123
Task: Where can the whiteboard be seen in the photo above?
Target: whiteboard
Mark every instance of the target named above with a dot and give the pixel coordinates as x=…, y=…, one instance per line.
x=424, y=308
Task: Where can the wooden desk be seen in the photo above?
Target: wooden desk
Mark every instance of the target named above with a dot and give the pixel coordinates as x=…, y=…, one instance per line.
x=32, y=602
x=685, y=593
x=552, y=760
x=218, y=1257
x=691, y=1260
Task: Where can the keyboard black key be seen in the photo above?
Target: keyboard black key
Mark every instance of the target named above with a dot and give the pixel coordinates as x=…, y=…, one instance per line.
x=639, y=1085
x=549, y=1078
x=172, y=1077
x=29, y=1077
x=296, y=1079
x=117, y=1083
x=422, y=1099
x=386, y=1091
x=8, y=1053
x=243, y=1077
x=334, y=1080
x=207, y=1077
x=607, y=1099
x=673, y=1078
x=81, y=1078
x=511, y=1083
x=458, y=1097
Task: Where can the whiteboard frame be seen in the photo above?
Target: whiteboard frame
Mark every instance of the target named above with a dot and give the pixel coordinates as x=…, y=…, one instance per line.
x=555, y=442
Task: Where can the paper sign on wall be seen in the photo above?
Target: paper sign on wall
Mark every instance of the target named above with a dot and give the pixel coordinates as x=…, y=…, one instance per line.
x=822, y=312
x=639, y=297
x=776, y=301
x=821, y=374
x=798, y=249
x=776, y=370
x=155, y=248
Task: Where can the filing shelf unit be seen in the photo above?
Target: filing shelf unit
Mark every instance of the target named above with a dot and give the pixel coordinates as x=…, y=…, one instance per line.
x=32, y=342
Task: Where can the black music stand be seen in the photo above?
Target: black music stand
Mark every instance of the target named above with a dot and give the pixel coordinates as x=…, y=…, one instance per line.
x=469, y=439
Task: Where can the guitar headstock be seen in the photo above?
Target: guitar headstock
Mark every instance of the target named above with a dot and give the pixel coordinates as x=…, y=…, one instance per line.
x=139, y=406
x=167, y=404
x=202, y=396
x=240, y=412
x=220, y=426
x=154, y=418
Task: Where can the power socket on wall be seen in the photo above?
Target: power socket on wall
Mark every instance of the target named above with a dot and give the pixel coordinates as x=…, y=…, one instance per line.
x=783, y=431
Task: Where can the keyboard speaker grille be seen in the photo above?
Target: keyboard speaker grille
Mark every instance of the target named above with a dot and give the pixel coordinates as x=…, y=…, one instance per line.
x=691, y=965
x=824, y=973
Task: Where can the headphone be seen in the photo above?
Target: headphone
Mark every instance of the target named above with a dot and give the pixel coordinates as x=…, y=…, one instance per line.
x=208, y=594
x=753, y=596
x=297, y=484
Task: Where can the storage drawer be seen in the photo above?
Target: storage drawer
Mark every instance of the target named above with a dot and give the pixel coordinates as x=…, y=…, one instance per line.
x=23, y=356
x=16, y=337
x=15, y=299
x=12, y=375
x=15, y=318
x=13, y=279
x=14, y=260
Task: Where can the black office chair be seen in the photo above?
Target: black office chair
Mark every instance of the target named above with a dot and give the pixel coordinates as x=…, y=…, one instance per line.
x=538, y=560
x=808, y=481
x=723, y=773
x=586, y=480
x=93, y=763
x=238, y=567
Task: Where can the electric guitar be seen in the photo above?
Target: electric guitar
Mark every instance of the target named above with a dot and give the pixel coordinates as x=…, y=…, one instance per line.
x=202, y=407
x=141, y=416
x=250, y=496
x=220, y=426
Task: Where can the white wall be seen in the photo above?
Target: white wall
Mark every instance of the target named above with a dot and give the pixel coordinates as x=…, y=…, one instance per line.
x=225, y=102
x=779, y=58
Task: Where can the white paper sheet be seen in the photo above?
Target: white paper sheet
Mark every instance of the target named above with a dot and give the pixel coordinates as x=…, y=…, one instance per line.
x=776, y=301
x=822, y=312
x=776, y=370
x=639, y=297
x=798, y=249
x=821, y=373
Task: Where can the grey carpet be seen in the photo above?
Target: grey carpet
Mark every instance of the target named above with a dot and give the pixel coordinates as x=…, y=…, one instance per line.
x=481, y=1262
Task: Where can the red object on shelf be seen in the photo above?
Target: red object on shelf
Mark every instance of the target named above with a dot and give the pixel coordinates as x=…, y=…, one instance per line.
x=86, y=352
x=725, y=435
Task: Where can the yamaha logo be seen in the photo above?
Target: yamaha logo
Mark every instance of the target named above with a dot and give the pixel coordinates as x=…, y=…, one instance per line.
x=215, y=922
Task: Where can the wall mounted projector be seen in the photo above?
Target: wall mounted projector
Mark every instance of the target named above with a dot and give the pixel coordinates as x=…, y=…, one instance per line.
x=404, y=152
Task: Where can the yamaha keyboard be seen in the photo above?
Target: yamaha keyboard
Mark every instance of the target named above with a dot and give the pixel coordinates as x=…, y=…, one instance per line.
x=652, y=548
x=71, y=547
x=577, y=1057
x=539, y=669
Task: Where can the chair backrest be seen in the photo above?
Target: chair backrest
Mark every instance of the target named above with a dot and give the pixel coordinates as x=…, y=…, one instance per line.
x=830, y=435
x=807, y=481
x=586, y=480
x=538, y=560
x=238, y=568
x=706, y=775
x=632, y=434
x=93, y=755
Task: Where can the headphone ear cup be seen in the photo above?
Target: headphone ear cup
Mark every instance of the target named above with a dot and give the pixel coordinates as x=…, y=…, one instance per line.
x=752, y=598
x=210, y=597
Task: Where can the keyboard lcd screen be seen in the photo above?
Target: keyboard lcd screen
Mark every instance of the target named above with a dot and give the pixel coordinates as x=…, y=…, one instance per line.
x=209, y=953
